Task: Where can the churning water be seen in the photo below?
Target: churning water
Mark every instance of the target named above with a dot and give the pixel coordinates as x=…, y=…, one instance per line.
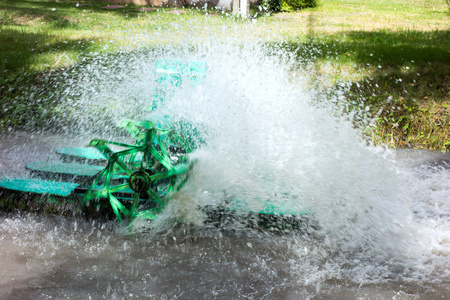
x=384, y=216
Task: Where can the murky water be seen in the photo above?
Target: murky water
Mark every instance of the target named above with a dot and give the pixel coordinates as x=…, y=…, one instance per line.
x=45, y=257
x=384, y=215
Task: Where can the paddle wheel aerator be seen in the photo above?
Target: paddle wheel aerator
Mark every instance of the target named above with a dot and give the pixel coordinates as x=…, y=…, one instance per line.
x=135, y=180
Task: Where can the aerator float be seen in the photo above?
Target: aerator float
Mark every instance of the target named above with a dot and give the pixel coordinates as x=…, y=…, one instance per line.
x=135, y=180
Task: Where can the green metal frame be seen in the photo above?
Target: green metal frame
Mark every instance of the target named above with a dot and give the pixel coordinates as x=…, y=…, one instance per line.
x=140, y=178
x=147, y=170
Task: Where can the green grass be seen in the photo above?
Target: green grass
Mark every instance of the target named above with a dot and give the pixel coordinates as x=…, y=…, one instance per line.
x=37, y=35
x=395, y=54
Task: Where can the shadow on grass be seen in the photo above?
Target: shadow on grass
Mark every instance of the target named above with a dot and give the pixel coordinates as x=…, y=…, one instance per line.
x=43, y=101
x=406, y=63
x=61, y=14
x=29, y=29
x=20, y=49
x=32, y=34
x=387, y=48
x=408, y=79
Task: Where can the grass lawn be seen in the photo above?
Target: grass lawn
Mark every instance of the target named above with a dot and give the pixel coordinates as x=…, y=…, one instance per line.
x=394, y=54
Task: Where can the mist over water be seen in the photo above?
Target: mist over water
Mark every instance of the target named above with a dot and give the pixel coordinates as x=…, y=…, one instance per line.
x=383, y=216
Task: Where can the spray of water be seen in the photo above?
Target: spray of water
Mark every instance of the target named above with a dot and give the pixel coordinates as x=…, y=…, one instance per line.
x=267, y=140
x=270, y=139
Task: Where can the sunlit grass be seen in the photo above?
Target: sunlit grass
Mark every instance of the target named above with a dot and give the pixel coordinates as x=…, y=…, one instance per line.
x=355, y=15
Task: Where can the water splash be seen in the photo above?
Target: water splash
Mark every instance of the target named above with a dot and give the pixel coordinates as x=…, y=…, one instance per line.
x=268, y=138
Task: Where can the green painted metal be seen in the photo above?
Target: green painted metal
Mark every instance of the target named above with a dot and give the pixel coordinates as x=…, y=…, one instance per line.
x=81, y=152
x=156, y=165
x=156, y=175
x=139, y=179
x=269, y=208
x=86, y=153
x=173, y=73
x=37, y=186
x=73, y=169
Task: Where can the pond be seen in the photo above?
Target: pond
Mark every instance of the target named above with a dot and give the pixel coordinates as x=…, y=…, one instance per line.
x=383, y=215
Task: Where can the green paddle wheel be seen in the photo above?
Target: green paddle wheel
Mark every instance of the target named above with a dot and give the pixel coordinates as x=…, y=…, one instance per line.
x=150, y=170
x=137, y=179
